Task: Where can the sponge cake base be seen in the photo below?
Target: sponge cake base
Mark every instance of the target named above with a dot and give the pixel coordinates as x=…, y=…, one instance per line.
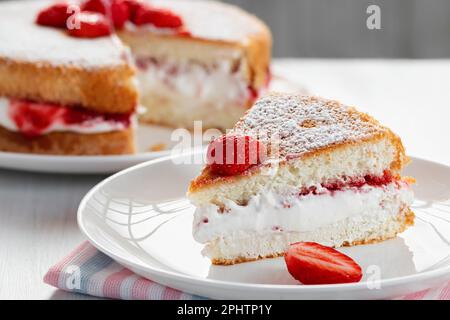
x=69, y=143
x=227, y=251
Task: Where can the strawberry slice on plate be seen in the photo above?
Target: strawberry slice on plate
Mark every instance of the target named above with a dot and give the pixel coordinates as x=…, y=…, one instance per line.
x=313, y=263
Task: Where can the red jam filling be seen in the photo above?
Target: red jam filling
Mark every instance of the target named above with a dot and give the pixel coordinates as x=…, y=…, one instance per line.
x=355, y=182
x=33, y=119
x=254, y=93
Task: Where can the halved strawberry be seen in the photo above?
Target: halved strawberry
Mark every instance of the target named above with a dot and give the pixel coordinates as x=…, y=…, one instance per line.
x=117, y=10
x=233, y=154
x=99, y=6
x=160, y=18
x=312, y=263
x=91, y=25
x=32, y=118
x=55, y=15
x=120, y=13
x=133, y=6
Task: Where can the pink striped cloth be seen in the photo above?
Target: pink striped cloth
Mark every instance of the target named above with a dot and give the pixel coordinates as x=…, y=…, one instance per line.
x=89, y=271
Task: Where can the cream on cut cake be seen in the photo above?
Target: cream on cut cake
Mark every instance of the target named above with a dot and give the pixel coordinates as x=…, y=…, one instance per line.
x=213, y=73
x=334, y=179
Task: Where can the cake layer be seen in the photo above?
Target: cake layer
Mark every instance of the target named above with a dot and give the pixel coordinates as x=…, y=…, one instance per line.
x=69, y=143
x=295, y=212
x=45, y=64
x=218, y=84
x=177, y=92
x=249, y=246
x=310, y=141
x=348, y=160
x=34, y=119
x=165, y=110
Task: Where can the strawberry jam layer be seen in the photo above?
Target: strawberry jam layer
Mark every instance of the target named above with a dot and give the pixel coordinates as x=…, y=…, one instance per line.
x=33, y=119
x=351, y=182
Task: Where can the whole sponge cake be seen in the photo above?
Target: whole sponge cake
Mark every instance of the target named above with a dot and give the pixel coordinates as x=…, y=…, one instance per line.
x=332, y=175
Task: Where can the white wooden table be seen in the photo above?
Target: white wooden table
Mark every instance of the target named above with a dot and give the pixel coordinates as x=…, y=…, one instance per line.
x=37, y=211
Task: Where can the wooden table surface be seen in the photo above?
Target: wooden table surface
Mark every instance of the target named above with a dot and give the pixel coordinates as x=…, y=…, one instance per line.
x=38, y=211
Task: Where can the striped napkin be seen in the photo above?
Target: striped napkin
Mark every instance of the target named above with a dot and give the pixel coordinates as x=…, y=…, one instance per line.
x=89, y=271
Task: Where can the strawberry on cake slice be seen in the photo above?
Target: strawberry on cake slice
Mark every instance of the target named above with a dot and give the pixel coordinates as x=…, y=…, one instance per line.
x=299, y=168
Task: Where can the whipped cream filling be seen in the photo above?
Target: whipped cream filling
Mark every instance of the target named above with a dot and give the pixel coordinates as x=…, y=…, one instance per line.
x=217, y=85
x=90, y=126
x=151, y=28
x=269, y=212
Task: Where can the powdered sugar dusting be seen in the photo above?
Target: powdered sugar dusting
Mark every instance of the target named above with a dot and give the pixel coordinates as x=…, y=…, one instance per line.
x=21, y=39
x=214, y=20
x=300, y=124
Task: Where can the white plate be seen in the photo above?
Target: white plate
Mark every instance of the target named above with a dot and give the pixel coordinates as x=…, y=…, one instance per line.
x=141, y=218
x=148, y=137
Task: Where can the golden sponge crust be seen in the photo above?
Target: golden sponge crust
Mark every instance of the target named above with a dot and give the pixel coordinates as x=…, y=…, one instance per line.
x=69, y=143
x=106, y=89
x=367, y=130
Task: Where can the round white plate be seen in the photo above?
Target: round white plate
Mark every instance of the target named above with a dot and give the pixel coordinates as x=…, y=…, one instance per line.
x=149, y=138
x=141, y=218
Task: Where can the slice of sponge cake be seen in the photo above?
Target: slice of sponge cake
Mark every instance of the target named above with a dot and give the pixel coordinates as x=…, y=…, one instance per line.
x=332, y=175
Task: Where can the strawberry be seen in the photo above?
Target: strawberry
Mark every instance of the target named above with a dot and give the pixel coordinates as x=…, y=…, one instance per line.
x=253, y=93
x=233, y=154
x=133, y=6
x=91, y=25
x=32, y=119
x=386, y=178
x=99, y=6
x=120, y=13
x=183, y=32
x=160, y=18
x=117, y=10
x=312, y=263
x=54, y=16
